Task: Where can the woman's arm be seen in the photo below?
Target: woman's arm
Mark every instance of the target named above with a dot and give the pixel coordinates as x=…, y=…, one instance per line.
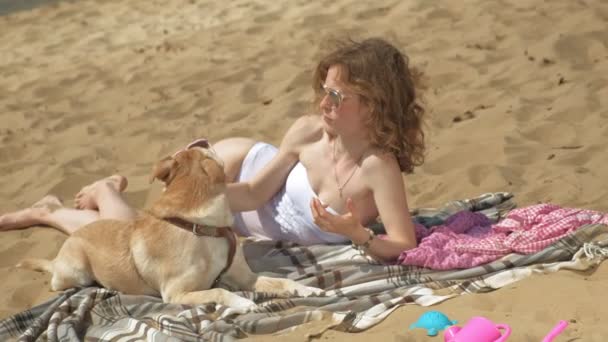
x=383, y=177
x=386, y=182
x=251, y=195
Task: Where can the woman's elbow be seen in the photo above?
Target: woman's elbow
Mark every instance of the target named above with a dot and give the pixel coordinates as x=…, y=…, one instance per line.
x=404, y=246
x=407, y=245
x=392, y=254
x=242, y=197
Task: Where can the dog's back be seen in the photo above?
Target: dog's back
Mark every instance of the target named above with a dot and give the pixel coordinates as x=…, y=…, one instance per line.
x=98, y=252
x=106, y=246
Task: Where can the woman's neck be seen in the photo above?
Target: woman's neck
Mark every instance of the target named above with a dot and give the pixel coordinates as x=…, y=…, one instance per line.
x=353, y=146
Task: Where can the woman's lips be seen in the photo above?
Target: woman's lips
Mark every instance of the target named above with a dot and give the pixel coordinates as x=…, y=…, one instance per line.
x=327, y=118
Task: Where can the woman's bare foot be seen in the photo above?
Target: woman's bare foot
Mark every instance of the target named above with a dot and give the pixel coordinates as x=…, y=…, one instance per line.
x=34, y=215
x=86, y=198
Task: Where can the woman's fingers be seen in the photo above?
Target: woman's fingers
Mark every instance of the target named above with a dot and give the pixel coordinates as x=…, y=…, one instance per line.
x=330, y=222
x=319, y=207
x=350, y=205
x=319, y=214
x=315, y=211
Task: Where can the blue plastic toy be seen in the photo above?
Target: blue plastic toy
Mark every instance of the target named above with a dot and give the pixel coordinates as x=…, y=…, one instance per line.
x=433, y=322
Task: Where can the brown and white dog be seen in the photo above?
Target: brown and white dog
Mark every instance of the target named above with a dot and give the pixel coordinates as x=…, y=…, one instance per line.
x=176, y=250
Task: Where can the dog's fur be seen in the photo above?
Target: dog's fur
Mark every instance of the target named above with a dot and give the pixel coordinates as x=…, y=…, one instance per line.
x=149, y=256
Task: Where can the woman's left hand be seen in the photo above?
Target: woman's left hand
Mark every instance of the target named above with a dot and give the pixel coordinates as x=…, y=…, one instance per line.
x=339, y=224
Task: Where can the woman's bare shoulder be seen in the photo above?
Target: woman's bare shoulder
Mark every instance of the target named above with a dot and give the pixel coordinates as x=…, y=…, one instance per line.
x=380, y=163
x=311, y=122
x=306, y=129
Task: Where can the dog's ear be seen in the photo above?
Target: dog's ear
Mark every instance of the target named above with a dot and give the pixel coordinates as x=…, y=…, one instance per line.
x=164, y=170
x=214, y=170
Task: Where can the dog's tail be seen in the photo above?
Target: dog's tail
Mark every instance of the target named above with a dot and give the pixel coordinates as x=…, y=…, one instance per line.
x=37, y=265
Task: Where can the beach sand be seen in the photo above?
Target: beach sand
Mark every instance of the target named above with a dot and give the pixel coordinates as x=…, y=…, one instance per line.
x=517, y=99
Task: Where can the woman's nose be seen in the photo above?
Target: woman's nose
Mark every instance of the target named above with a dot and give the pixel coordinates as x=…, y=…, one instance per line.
x=325, y=102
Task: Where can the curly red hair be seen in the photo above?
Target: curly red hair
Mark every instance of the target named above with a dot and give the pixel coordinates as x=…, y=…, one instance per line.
x=380, y=74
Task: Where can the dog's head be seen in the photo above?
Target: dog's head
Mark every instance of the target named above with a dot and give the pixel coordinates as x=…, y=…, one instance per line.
x=195, y=185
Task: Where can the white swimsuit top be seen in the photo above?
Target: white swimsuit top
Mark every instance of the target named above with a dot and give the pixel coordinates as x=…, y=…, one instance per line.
x=287, y=216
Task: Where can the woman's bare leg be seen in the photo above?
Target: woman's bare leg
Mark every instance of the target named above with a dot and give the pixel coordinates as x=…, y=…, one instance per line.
x=104, y=195
x=103, y=199
x=233, y=151
x=49, y=211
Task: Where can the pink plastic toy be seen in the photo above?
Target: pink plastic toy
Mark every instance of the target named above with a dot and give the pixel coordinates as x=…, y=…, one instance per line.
x=481, y=329
x=478, y=329
x=555, y=331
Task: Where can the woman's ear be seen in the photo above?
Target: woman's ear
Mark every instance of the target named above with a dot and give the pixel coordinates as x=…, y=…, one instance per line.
x=164, y=170
x=365, y=110
x=366, y=106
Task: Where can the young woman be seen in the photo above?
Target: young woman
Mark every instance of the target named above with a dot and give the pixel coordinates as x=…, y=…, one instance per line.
x=334, y=172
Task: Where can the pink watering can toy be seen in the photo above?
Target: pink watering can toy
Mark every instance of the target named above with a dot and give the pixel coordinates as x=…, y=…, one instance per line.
x=478, y=329
x=481, y=329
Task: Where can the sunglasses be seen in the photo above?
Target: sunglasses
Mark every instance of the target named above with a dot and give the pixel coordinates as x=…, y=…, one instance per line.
x=335, y=96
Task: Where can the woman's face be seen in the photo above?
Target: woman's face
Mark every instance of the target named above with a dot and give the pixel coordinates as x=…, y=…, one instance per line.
x=343, y=112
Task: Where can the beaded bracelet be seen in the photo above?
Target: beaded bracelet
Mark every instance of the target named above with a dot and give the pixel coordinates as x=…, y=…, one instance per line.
x=365, y=246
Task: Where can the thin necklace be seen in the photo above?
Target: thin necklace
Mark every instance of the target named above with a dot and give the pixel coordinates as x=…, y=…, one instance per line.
x=341, y=187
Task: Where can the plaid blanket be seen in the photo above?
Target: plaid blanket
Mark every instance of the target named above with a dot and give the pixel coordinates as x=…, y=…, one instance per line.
x=359, y=293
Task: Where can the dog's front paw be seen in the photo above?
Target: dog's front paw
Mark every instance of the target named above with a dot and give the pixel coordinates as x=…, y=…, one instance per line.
x=241, y=303
x=307, y=291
